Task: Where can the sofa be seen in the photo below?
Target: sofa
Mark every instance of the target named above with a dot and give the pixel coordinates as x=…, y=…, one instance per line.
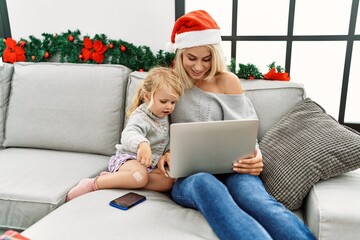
x=60, y=122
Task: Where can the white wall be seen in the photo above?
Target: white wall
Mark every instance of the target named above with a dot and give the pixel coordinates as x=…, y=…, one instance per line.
x=140, y=22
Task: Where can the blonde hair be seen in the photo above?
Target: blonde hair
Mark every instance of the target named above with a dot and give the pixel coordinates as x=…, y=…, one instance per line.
x=157, y=78
x=217, y=64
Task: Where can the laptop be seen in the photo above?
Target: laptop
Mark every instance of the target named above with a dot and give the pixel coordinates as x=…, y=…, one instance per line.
x=210, y=146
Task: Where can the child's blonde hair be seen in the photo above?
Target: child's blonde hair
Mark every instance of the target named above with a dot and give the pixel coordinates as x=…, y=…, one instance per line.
x=157, y=78
x=217, y=64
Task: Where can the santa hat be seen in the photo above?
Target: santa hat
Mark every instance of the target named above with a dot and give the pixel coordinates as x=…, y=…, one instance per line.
x=193, y=29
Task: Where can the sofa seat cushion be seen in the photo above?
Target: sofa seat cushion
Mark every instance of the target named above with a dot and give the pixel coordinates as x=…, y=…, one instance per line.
x=34, y=182
x=69, y=107
x=90, y=217
x=332, y=207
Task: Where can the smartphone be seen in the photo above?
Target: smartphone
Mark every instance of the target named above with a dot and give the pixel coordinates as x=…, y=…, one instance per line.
x=127, y=201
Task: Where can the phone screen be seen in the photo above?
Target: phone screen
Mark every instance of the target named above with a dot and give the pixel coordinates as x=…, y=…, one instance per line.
x=127, y=201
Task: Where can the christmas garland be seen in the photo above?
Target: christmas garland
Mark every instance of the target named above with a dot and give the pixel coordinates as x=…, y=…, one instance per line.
x=71, y=47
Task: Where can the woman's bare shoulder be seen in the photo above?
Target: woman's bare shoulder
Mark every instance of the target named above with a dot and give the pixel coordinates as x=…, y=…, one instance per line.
x=229, y=83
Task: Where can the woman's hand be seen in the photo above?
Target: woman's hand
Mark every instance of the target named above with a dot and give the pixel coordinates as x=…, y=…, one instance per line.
x=251, y=165
x=164, y=162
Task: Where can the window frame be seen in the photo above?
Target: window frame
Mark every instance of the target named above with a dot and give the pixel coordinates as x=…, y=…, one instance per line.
x=290, y=38
x=5, y=31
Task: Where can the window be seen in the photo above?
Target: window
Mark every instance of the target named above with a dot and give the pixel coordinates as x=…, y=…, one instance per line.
x=4, y=20
x=352, y=114
x=318, y=43
x=259, y=17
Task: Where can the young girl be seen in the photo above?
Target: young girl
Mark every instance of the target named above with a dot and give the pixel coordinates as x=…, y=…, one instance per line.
x=144, y=140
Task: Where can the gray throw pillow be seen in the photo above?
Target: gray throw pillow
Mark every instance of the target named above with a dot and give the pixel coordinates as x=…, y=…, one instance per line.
x=306, y=146
x=66, y=106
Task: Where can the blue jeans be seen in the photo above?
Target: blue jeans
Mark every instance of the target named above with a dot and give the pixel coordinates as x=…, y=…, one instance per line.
x=237, y=206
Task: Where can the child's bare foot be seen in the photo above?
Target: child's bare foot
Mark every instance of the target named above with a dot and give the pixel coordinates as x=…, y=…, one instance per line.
x=84, y=186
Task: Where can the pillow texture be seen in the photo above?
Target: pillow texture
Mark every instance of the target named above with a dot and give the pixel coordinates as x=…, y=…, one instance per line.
x=306, y=146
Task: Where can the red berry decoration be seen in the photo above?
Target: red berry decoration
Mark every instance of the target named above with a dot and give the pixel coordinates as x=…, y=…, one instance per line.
x=22, y=43
x=80, y=56
x=141, y=70
x=122, y=48
x=111, y=45
x=71, y=38
x=46, y=55
x=33, y=57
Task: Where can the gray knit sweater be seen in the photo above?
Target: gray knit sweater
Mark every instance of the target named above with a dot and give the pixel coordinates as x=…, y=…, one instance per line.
x=197, y=105
x=144, y=126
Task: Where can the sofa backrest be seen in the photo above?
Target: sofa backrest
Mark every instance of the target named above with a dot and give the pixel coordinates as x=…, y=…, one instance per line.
x=70, y=107
x=271, y=99
x=6, y=71
x=134, y=81
x=80, y=107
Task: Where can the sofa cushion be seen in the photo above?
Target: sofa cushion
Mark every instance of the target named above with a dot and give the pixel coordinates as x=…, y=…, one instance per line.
x=332, y=207
x=34, y=182
x=6, y=71
x=70, y=107
x=272, y=100
x=90, y=217
x=306, y=146
x=135, y=79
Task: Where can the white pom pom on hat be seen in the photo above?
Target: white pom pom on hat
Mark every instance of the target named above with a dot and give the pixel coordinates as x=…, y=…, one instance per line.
x=196, y=28
x=170, y=47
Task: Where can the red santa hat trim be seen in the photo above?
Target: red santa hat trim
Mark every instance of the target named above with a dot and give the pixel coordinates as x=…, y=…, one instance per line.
x=196, y=28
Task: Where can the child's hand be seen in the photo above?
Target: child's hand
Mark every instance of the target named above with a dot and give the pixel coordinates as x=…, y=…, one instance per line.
x=164, y=163
x=144, y=155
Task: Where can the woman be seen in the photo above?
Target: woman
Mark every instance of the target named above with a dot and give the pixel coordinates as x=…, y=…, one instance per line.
x=236, y=205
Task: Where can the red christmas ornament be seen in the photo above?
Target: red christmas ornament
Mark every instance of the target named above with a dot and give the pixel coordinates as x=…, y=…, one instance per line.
x=80, y=56
x=33, y=57
x=141, y=70
x=22, y=43
x=46, y=55
x=172, y=64
x=111, y=45
x=71, y=38
x=122, y=48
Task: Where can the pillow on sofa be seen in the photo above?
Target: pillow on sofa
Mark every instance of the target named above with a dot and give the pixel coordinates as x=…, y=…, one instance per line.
x=6, y=72
x=306, y=146
x=66, y=106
